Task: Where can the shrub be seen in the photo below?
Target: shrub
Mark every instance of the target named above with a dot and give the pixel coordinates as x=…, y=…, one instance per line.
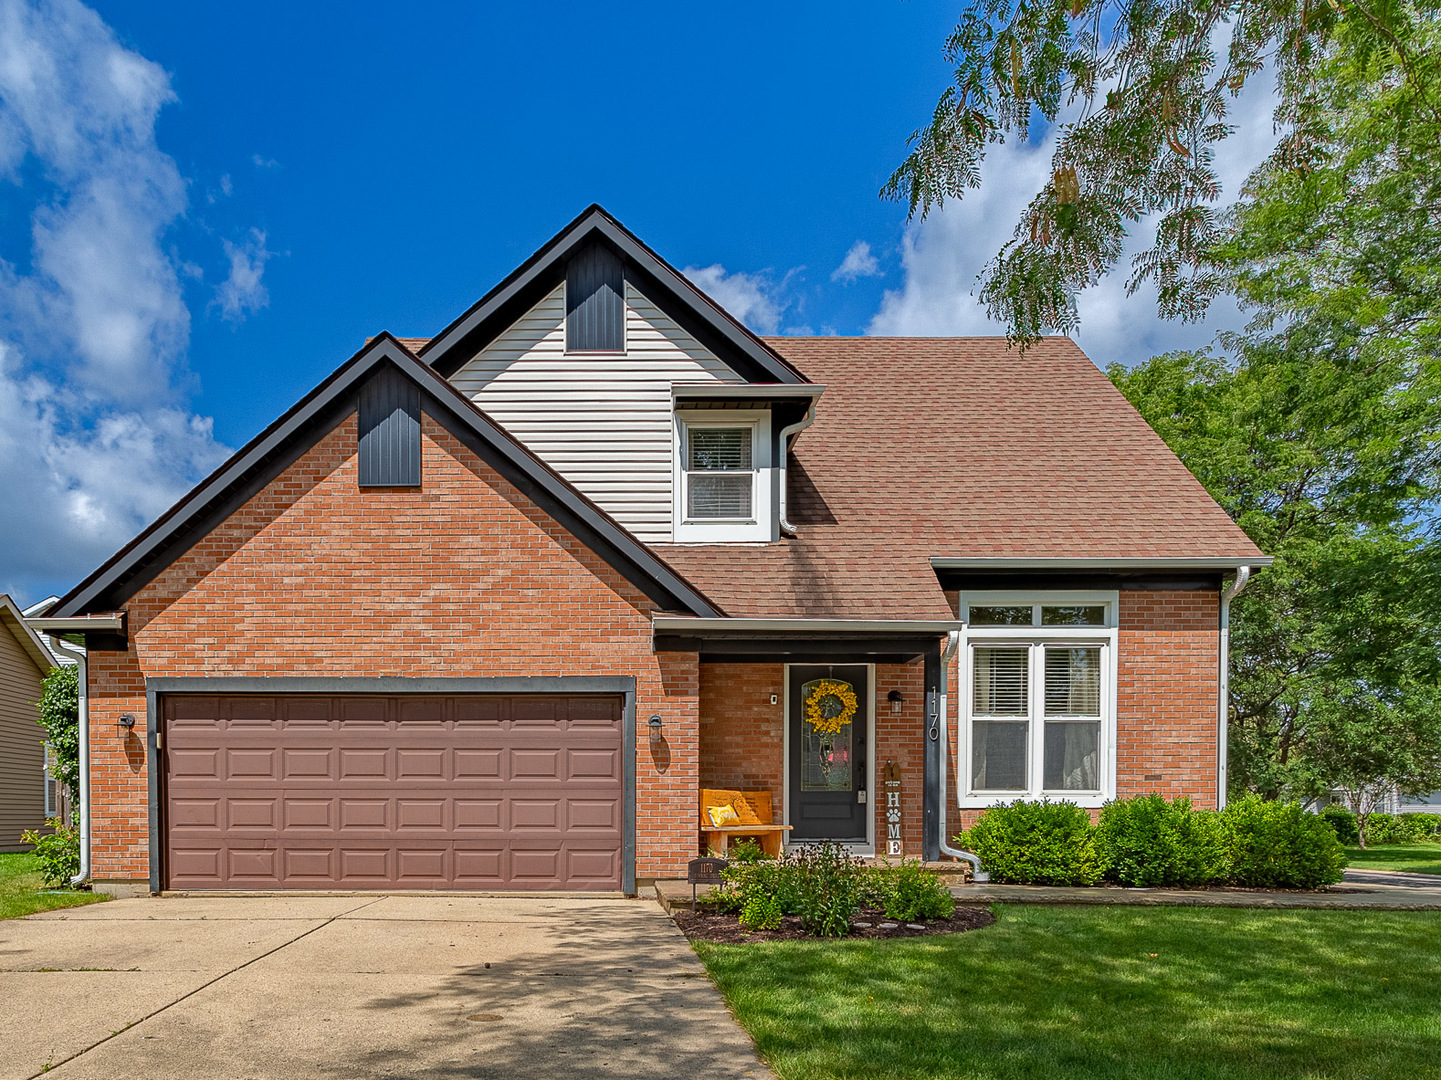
x=1343, y=821
x=1426, y=826
x=1279, y=845
x=1036, y=843
x=58, y=852
x=775, y=878
x=761, y=912
x=829, y=887
x=1148, y=842
x=1398, y=829
x=911, y=892
x=745, y=852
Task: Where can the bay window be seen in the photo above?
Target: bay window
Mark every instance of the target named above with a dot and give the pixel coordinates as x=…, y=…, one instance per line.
x=1038, y=676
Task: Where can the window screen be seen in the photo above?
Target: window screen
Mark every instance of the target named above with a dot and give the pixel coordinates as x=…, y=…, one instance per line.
x=1073, y=681
x=718, y=462
x=1001, y=682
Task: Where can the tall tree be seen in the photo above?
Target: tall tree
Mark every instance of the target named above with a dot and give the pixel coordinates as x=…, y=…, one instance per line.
x=1141, y=90
x=1319, y=431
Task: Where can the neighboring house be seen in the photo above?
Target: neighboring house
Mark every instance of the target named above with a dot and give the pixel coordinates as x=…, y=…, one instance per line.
x=26, y=792
x=490, y=610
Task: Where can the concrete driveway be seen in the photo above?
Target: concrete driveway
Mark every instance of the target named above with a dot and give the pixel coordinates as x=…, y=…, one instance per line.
x=360, y=986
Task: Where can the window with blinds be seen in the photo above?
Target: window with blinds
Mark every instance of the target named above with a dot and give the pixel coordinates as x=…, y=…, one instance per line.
x=719, y=472
x=1039, y=700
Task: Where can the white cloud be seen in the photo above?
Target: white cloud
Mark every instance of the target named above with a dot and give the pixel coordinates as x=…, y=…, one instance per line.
x=754, y=299
x=942, y=255
x=264, y=162
x=95, y=439
x=858, y=263
x=243, y=291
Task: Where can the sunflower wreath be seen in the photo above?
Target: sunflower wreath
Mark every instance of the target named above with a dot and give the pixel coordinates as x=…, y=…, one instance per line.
x=830, y=706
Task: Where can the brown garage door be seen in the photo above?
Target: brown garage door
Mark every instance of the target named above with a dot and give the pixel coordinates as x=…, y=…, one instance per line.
x=413, y=792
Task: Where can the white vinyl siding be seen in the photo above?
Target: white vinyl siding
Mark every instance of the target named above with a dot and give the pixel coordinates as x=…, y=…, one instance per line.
x=604, y=422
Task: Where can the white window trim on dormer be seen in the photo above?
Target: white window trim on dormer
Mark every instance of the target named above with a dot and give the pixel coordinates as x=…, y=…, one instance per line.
x=760, y=526
x=1037, y=637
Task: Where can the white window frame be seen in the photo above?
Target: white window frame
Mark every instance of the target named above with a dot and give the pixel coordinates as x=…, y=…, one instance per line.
x=1036, y=637
x=759, y=526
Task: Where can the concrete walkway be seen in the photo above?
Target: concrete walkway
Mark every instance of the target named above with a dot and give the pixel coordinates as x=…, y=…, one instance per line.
x=361, y=986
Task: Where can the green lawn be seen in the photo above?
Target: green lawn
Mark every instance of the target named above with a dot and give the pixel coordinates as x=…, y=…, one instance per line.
x=1412, y=858
x=23, y=893
x=1081, y=993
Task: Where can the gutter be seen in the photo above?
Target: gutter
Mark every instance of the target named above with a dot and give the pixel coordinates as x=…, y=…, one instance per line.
x=83, y=681
x=786, y=528
x=80, y=624
x=1223, y=684
x=979, y=876
x=690, y=624
x=943, y=562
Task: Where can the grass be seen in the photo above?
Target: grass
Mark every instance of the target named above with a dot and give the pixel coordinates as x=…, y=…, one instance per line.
x=1412, y=858
x=23, y=892
x=1089, y=993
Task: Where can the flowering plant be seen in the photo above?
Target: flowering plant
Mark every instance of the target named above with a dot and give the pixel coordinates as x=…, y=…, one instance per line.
x=830, y=705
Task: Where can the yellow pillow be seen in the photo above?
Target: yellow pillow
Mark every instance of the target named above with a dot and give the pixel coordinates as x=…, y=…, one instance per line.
x=721, y=816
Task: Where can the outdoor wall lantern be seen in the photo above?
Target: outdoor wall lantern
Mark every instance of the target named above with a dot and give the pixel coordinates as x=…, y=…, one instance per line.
x=894, y=697
x=126, y=724
x=655, y=728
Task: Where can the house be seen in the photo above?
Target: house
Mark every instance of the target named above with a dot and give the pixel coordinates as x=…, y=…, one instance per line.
x=489, y=610
x=26, y=792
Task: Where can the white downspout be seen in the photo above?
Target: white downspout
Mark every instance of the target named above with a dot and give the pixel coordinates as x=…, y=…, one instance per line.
x=1223, y=733
x=953, y=642
x=787, y=529
x=83, y=681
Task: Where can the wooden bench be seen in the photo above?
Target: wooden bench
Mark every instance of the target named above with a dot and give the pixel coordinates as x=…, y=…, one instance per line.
x=762, y=828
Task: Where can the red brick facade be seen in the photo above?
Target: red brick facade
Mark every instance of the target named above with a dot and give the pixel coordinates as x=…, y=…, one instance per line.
x=463, y=576
x=1167, y=713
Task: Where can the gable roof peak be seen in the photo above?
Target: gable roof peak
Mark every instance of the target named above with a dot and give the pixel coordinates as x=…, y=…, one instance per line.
x=661, y=283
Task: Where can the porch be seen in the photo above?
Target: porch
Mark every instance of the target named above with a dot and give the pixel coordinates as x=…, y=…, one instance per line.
x=837, y=723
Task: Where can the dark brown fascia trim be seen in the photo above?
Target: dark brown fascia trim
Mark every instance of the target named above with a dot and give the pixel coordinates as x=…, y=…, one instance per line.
x=277, y=446
x=697, y=313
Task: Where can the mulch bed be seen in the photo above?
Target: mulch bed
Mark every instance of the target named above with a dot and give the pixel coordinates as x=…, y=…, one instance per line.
x=711, y=925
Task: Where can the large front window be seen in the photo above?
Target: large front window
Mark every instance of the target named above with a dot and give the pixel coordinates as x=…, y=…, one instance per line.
x=1039, y=713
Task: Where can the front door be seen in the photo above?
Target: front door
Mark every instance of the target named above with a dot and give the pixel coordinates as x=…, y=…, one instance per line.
x=829, y=721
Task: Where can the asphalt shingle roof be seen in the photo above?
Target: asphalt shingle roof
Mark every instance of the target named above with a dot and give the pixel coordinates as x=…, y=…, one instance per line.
x=956, y=447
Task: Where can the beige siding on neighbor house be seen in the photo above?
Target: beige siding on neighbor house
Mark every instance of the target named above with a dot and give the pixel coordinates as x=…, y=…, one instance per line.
x=602, y=421
x=22, y=750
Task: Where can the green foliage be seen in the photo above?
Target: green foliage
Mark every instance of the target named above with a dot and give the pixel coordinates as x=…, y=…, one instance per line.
x=829, y=889
x=761, y=912
x=59, y=706
x=912, y=892
x=1278, y=845
x=1149, y=842
x=1343, y=821
x=1400, y=828
x=57, y=852
x=1036, y=843
x=1141, y=92
x=1427, y=827
x=825, y=887
x=745, y=851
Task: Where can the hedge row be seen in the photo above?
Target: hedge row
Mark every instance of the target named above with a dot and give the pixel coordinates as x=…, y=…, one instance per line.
x=1383, y=828
x=1150, y=842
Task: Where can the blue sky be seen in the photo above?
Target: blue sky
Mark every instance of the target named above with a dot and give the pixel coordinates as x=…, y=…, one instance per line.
x=211, y=206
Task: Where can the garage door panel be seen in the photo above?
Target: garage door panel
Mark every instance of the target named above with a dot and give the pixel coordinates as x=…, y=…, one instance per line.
x=426, y=792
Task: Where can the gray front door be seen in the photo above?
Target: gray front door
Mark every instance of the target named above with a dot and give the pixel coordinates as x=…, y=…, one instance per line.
x=829, y=720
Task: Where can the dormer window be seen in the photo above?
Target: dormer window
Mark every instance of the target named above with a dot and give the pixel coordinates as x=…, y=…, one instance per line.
x=719, y=473
x=723, y=489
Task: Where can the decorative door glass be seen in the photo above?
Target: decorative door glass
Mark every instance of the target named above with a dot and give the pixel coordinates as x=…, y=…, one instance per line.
x=827, y=751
